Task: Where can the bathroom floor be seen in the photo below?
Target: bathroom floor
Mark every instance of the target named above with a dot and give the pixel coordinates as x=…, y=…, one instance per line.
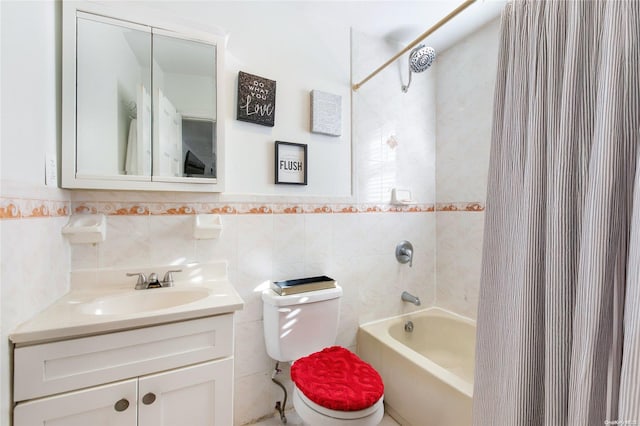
x=294, y=420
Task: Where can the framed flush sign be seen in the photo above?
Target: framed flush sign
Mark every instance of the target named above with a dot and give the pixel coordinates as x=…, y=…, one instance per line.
x=256, y=99
x=291, y=163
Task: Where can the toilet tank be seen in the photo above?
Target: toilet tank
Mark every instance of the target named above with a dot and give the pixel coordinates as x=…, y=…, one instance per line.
x=300, y=324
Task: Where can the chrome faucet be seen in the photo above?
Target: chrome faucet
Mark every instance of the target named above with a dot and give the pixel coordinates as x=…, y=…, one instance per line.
x=408, y=297
x=152, y=282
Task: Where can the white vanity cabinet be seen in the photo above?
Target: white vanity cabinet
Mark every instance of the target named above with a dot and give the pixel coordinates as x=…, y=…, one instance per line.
x=172, y=374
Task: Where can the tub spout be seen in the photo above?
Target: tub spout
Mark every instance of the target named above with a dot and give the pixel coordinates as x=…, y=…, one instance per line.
x=408, y=297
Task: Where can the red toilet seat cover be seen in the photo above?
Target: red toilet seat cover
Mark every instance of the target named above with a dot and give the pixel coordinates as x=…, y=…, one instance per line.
x=337, y=379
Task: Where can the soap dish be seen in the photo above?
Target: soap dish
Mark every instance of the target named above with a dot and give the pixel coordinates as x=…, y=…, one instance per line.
x=207, y=226
x=85, y=228
x=401, y=197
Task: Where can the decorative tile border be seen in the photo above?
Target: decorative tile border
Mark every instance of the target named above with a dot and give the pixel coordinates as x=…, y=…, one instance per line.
x=132, y=208
x=24, y=208
x=316, y=209
x=288, y=209
x=461, y=207
x=15, y=208
x=251, y=208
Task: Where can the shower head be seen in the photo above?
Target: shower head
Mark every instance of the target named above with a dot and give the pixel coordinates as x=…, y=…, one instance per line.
x=420, y=59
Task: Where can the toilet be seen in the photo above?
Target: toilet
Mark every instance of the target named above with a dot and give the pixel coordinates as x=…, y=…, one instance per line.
x=332, y=385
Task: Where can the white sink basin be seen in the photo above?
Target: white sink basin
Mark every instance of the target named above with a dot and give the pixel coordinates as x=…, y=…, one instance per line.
x=138, y=301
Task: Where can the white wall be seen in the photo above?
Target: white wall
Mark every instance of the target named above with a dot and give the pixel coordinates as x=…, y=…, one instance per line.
x=297, y=45
x=302, y=48
x=29, y=89
x=35, y=259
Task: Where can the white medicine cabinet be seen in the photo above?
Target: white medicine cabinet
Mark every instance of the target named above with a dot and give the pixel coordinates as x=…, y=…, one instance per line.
x=141, y=101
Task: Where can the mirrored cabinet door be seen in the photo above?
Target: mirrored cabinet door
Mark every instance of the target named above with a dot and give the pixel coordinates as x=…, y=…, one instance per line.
x=113, y=98
x=184, y=93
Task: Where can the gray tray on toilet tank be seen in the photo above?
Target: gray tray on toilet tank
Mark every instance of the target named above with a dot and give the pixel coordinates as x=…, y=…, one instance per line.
x=301, y=285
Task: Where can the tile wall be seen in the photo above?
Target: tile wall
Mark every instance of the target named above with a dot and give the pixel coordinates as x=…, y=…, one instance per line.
x=394, y=132
x=34, y=264
x=272, y=241
x=465, y=78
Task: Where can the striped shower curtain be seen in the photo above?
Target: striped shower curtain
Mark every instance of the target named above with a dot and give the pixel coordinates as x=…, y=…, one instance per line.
x=558, y=339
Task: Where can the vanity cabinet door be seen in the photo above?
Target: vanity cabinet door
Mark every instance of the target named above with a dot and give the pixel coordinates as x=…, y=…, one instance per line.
x=200, y=395
x=109, y=405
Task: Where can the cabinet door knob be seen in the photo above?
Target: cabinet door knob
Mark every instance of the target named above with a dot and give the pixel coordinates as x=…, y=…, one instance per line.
x=149, y=398
x=121, y=405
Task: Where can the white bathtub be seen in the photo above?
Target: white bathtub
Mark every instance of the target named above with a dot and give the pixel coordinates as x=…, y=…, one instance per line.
x=427, y=373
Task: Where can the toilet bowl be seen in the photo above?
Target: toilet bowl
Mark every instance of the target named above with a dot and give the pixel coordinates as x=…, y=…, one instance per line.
x=317, y=415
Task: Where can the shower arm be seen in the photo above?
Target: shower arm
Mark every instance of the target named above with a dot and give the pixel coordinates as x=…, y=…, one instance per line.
x=411, y=45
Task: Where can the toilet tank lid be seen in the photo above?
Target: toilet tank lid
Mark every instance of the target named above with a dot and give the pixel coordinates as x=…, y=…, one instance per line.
x=272, y=298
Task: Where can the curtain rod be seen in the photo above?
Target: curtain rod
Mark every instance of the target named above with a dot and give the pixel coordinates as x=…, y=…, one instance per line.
x=411, y=45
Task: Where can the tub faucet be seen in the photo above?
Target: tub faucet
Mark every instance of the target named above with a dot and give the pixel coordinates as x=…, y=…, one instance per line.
x=408, y=297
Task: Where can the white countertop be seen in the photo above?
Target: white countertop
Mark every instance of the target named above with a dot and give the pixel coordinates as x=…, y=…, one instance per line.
x=69, y=317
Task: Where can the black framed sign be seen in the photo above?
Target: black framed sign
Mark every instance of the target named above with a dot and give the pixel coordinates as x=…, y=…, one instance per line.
x=256, y=99
x=291, y=163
